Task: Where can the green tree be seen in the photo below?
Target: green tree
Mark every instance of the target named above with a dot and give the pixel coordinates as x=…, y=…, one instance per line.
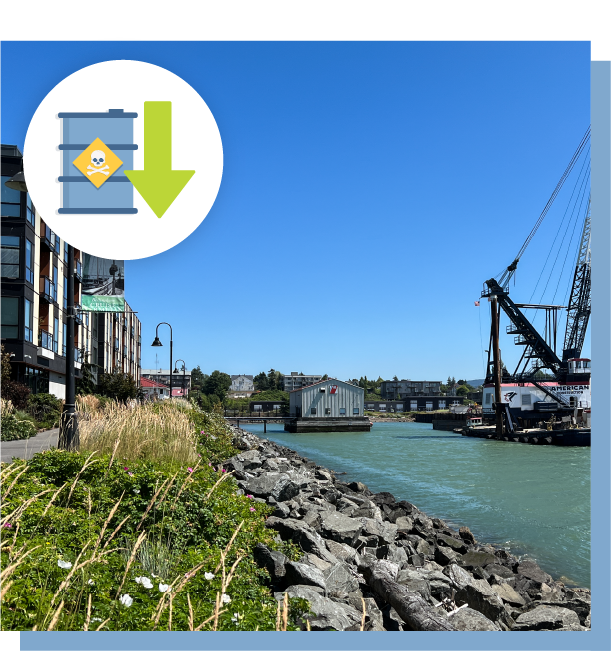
x=462, y=390
x=85, y=385
x=197, y=378
x=6, y=366
x=120, y=386
x=271, y=379
x=324, y=377
x=395, y=378
x=261, y=382
x=217, y=385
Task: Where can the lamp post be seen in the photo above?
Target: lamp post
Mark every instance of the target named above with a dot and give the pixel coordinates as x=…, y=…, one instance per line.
x=68, y=432
x=158, y=343
x=176, y=370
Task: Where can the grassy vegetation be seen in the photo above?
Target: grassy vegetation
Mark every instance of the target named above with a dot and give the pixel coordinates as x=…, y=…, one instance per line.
x=15, y=424
x=140, y=530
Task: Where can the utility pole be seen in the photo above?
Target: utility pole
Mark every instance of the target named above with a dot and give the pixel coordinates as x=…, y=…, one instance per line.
x=68, y=433
x=496, y=356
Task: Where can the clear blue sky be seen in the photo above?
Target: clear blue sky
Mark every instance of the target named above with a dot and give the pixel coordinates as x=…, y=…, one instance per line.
x=368, y=191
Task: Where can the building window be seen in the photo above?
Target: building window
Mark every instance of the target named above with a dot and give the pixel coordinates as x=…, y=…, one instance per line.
x=525, y=399
x=442, y=404
x=55, y=281
x=489, y=398
x=66, y=252
x=10, y=256
x=327, y=410
x=313, y=411
x=30, y=214
x=28, y=319
x=355, y=411
x=65, y=293
x=64, y=339
x=10, y=318
x=29, y=262
x=342, y=411
x=11, y=200
x=55, y=334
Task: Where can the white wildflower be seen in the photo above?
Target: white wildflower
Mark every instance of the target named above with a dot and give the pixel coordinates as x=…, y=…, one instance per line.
x=164, y=587
x=65, y=565
x=236, y=617
x=154, y=575
x=208, y=576
x=136, y=490
x=145, y=581
x=126, y=600
x=225, y=598
x=91, y=582
x=96, y=619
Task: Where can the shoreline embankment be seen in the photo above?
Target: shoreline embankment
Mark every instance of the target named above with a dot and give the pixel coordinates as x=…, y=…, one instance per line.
x=370, y=562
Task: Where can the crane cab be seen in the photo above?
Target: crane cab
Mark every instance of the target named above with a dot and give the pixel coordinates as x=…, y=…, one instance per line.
x=579, y=365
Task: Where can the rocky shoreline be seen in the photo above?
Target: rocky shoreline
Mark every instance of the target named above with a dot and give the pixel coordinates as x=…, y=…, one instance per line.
x=373, y=563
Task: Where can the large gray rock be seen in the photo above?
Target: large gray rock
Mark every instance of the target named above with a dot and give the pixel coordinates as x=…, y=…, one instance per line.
x=477, y=559
x=533, y=572
x=302, y=535
x=404, y=523
x=457, y=545
x=386, y=532
x=268, y=483
x=302, y=574
x=340, y=579
x=481, y=597
x=273, y=561
x=415, y=582
x=328, y=615
x=546, y=618
x=467, y=619
x=508, y=594
x=339, y=527
x=458, y=576
x=341, y=551
x=446, y=555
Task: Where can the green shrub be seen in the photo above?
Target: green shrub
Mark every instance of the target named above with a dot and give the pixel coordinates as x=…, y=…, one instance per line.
x=15, y=428
x=45, y=408
x=89, y=530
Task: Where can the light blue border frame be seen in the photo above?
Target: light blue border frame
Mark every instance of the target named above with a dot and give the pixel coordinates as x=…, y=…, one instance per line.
x=600, y=636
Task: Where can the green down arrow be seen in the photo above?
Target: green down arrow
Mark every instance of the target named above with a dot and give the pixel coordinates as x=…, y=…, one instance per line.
x=158, y=183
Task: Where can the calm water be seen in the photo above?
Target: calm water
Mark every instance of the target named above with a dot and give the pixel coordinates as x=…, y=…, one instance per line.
x=533, y=500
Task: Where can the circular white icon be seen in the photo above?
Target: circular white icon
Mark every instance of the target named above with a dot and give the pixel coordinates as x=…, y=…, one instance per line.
x=123, y=159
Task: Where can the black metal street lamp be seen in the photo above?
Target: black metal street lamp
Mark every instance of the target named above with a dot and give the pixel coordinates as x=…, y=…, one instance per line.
x=68, y=431
x=157, y=342
x=176, y=370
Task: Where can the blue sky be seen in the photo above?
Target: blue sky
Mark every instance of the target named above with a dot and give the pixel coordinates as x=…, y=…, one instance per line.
x=368, y=191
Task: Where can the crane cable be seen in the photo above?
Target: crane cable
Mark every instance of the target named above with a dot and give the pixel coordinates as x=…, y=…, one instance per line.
x=504, y=279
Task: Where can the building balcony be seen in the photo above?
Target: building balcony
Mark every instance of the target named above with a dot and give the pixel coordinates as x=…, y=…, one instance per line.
x=78, y=271
x=47, y=290
x=124, y=326
x=48, y=239
x=133, y=332
x=45, y=340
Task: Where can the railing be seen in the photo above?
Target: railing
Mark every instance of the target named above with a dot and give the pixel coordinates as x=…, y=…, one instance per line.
x=48, y=291
x=133, y=332
x=47, y=238
x=45, y=340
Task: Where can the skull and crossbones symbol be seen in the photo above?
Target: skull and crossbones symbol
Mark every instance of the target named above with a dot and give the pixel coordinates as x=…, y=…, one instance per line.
x=97, y=160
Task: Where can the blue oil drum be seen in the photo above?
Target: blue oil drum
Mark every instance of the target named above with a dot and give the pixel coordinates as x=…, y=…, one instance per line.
x=115, y=129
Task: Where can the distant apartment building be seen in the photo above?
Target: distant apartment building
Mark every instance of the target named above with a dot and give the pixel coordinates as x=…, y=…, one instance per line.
x=296, y=381
x=154, y=390
x=241, y=386
x=34, y=301
x=403, y=389
x=179, y=380
x=119, y=337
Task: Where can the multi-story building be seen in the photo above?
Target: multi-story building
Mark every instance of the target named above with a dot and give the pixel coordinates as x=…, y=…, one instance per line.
x=34, y=297
x=298, y=381
x=119, y=337
x=403, y=389
x=163, y=375
x=241, y=386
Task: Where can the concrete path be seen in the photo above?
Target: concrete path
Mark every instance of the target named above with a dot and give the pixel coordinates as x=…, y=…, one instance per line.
x=26, y=448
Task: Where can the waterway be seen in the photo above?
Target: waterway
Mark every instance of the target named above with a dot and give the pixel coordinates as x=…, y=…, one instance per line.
x=532, y=500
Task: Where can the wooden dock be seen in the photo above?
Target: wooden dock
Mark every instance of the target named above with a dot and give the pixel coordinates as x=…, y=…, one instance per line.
x=565, y=437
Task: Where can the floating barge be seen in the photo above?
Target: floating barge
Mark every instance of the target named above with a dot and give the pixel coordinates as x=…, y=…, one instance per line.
x=567, y=437
x=302, y=425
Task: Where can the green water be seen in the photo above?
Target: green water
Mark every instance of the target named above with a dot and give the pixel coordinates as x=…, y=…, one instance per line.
x=534, y=501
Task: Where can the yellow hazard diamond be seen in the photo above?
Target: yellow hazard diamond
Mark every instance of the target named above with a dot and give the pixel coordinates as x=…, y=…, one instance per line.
x=98, y=162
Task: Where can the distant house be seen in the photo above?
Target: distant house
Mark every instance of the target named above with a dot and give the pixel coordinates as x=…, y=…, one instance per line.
x=403, y=389
x=296, y=381
x=154, y=390
x=241, y=386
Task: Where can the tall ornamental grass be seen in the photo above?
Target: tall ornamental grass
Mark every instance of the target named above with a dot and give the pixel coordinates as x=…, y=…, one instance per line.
x=154, y=431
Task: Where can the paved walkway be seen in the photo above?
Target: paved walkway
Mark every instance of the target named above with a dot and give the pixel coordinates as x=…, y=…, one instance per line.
x=26, y=448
